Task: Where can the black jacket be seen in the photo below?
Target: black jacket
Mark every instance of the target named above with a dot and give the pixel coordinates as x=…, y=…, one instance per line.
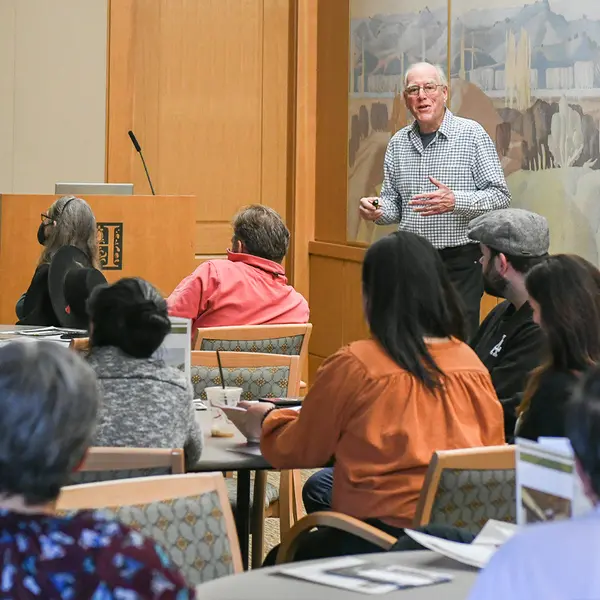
x=546, y=413
x=36, y=308
x=510, y=345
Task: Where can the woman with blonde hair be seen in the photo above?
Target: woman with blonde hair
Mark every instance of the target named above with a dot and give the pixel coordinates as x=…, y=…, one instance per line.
x=68, y=222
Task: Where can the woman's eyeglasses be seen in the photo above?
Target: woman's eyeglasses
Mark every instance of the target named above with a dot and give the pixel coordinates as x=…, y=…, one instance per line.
x=45, y=217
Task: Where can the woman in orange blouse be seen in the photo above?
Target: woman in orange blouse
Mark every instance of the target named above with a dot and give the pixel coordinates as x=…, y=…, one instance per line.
x=381, y=407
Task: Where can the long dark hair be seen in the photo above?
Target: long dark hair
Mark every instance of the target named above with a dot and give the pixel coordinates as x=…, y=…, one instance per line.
x=567, y=289
x=408, y=296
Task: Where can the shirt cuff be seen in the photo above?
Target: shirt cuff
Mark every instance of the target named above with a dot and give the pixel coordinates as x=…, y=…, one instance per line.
x=462, y=204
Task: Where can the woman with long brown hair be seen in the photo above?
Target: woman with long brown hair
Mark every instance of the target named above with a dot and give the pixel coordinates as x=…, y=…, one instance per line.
x=564, y=292
x=68, y=222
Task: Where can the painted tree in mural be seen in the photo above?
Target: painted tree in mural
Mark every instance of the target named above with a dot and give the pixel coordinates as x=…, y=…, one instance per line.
x=566, y=138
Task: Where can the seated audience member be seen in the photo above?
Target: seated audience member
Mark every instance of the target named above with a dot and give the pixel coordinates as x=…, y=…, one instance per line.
x=145, y=403
x=68, y=222
x=564, y=292
x=508, y=341
x=48, y=407
x=250, y=287
x=557, y=560
x=382, y=406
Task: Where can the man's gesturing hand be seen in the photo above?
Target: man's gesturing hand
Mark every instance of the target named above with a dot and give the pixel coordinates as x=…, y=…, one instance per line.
x=434, y=203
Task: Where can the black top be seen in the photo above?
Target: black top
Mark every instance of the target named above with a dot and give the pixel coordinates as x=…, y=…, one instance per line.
x=510, y=345
x=546, y=413
x=37, y=306
x=427, y=138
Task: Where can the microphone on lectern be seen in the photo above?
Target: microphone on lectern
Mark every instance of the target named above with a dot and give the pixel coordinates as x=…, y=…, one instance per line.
x=138, y=149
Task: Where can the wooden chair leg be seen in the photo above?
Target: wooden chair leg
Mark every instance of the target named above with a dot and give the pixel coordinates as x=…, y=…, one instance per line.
x=297, y=507
x=257, y=522
x=286, y=502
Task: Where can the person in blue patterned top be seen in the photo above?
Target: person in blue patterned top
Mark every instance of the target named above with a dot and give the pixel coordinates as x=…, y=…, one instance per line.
x=48, y=409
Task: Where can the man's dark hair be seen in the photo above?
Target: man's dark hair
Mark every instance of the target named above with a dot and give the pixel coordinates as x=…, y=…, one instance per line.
x=130, y=315
x=583, y=425
x=409, y=296
x=521, y=264
x=262, y=231
x=48, y=408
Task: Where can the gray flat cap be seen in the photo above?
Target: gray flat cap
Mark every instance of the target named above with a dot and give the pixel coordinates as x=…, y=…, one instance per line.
x=512, y=231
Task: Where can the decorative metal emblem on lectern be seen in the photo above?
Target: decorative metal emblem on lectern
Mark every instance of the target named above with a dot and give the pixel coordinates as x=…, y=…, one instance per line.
x=110, y=245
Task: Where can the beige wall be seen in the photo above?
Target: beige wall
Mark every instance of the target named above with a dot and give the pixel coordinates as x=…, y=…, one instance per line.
x=52, y=93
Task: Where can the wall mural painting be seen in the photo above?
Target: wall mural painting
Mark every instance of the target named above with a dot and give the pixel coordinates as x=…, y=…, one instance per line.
x=529, y=72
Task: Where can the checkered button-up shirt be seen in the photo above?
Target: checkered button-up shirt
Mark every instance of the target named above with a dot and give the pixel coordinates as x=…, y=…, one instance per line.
x=461, y=156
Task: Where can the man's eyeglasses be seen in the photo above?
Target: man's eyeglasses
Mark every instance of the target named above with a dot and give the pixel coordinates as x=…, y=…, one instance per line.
x=428, y=89
x=45, y=217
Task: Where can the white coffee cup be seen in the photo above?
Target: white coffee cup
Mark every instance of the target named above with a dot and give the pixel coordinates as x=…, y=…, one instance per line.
x=217, y=397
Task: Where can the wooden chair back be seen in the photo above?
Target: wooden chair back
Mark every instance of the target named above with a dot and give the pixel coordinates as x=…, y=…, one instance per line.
x=467, y=487
x=189, y=512
x=105, y=463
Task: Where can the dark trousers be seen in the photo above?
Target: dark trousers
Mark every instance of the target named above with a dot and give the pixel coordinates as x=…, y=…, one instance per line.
x=464, y=269
x=316, y=493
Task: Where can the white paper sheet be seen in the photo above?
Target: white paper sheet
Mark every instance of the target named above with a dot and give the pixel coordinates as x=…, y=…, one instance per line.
x=474, y=555
x=364, y=576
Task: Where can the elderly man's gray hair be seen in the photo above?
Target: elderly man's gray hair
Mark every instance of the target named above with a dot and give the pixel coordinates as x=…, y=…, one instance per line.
x=442, y=80
x=49, y=403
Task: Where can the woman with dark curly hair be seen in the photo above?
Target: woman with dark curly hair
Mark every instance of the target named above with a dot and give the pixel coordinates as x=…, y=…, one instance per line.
x=146, y=404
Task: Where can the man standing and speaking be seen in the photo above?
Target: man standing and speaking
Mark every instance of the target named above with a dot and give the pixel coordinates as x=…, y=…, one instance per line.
x=440, y=173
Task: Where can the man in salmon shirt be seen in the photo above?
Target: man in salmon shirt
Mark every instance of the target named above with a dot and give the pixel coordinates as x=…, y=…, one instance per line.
x=250, y=287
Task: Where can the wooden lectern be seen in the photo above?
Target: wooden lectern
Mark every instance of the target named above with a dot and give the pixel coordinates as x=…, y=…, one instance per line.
x=139, y=236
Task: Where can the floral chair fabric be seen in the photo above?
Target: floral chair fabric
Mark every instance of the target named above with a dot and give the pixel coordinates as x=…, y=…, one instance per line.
x=468, y=498
x=257, y=382
x=192, y=530
x=290, y=346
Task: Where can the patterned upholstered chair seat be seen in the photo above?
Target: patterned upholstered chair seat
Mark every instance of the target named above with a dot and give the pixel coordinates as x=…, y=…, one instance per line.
x=192, y=530
x=468, y=498
x=289, y=345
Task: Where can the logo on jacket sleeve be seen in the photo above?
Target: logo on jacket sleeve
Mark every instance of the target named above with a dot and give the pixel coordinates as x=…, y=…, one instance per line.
x=498, y=347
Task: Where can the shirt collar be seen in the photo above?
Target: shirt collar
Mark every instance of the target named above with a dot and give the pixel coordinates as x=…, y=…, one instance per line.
x=263, y=264
x=446, y=128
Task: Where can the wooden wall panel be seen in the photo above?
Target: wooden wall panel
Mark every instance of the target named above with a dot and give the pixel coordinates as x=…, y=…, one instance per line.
x=305, y=143
x=326, y=305
x=206, y=88
x=332, y=120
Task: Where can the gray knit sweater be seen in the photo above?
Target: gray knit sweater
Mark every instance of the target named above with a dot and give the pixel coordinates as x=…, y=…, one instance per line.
x=146, y=404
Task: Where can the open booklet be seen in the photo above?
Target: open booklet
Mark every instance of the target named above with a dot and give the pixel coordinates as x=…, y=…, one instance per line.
x=548, y=487
x=364, y=576
x=478, y=552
